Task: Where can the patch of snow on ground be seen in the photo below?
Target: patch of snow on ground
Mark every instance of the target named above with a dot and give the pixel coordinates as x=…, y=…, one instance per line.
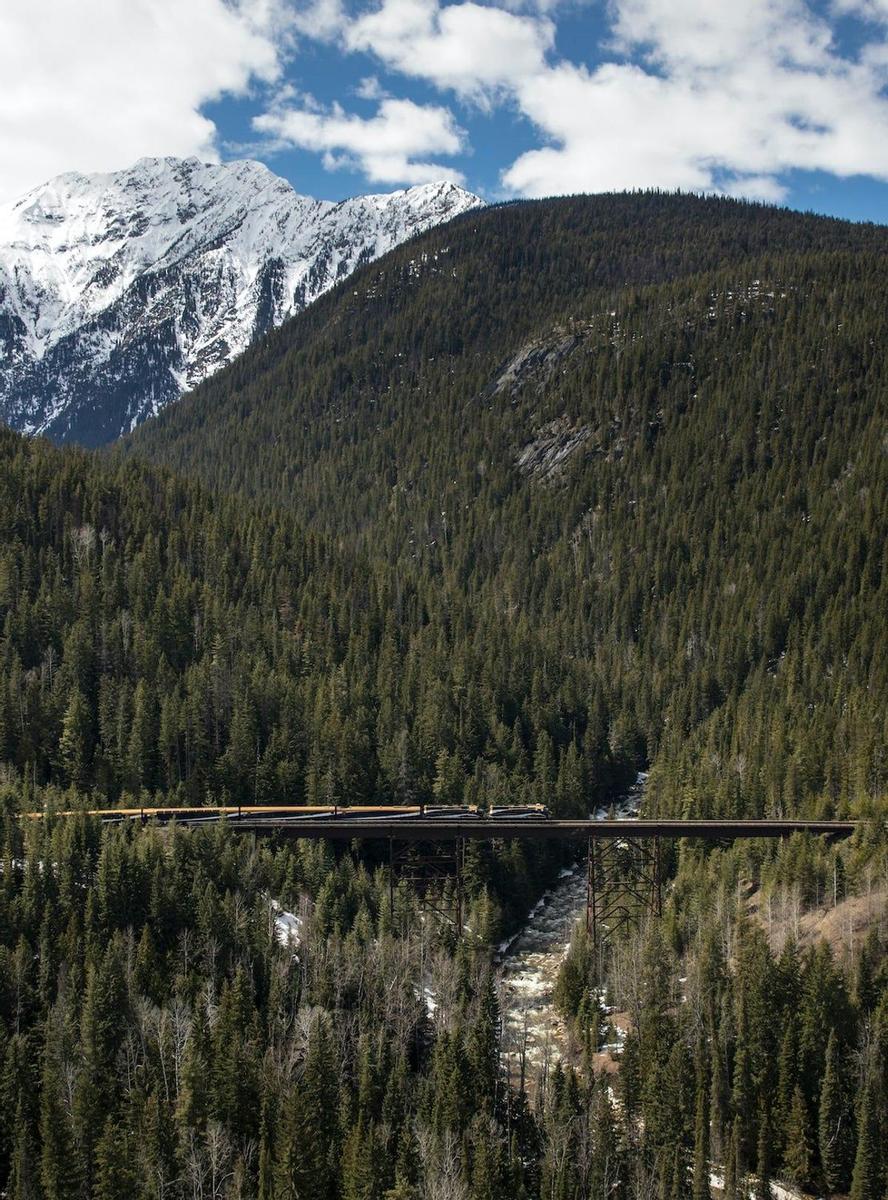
x=780, y=1191
x=428, y=997
x=287, y=926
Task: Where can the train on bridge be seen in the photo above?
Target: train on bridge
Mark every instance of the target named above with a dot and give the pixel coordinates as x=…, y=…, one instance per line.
x=426, y=843
x=447, y=822
x=302, y=812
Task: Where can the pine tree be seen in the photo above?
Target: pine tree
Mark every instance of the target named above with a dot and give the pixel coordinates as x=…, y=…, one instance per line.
x=734, y=1188
x=867, y=1177
x=267, y=1134
x=701, y=1189
x=402, y=1190
x=763, y=1159
x=116, y=1177
x=607, y=1168
x=233, y=1073
x=102, y=1029
x=787, y=1081
x=75, y=743
x=194, y=1089
x=834, y=1123
x=308, y=1145
x=360, y=1164
x=742, y=1096
x=486, y=1168
x=798, y=1155
x=24, y=1171
x=719, y=1100
x=58, y=1163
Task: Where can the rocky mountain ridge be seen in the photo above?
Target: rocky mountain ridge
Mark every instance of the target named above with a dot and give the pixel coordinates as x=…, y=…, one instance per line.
x=118, y=292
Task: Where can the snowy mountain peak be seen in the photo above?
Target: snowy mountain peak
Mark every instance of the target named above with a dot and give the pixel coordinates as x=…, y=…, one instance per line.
x=119, y=291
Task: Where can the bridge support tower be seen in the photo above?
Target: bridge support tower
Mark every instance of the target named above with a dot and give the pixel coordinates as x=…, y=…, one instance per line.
x=624, y=882
x=434, y=870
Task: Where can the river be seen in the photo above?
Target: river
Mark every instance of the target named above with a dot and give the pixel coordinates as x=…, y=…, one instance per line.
x=534, y=1036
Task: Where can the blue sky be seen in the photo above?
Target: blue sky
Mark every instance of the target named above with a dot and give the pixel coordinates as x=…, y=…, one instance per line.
x=780, y=100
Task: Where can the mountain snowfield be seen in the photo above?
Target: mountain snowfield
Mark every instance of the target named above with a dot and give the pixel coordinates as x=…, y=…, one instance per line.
x=118, y=292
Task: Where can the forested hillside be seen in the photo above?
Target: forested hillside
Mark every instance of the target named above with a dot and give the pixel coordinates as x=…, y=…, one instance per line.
x=631, y=451
x=157, y=638
x=560, y=491
x=162, y=1039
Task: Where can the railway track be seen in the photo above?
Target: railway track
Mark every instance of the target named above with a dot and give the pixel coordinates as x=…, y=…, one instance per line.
x=441, y=824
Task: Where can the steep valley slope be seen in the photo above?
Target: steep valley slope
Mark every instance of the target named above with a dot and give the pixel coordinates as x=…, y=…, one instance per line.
x=633, y=446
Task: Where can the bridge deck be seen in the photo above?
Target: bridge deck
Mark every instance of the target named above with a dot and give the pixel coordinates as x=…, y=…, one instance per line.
x=430, y=828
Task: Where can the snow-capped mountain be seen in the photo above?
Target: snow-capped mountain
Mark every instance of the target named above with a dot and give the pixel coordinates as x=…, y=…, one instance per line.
x=119, y=292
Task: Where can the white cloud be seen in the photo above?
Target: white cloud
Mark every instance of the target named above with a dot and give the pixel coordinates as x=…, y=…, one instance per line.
x=95, y=84
x=694, y=34
x=721, y=97
x=866, y=10
x=475, y=50
x=698, y=95
x=320, y=19
x=370, y=88
x=755, y=187
x=391, y=147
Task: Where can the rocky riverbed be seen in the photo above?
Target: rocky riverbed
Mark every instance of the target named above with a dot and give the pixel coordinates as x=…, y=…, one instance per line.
x=534, y=1036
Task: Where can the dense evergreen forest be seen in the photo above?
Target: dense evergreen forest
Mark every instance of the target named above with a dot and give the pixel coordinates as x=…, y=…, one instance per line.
x=551, y=494
x=160, y=1039
x=157, y=638
x=631, y=451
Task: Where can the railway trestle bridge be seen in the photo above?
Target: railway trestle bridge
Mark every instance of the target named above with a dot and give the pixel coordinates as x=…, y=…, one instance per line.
x=426, y=846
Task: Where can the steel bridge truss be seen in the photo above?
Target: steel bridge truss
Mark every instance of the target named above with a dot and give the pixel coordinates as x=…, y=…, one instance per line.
x=434, y=870
x=427, y=847
x=624, y=883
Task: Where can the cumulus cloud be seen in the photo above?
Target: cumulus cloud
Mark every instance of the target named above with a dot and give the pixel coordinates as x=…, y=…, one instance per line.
x=95, y=84
x=391, y=147
x=737, y=131
x=866, y=10
x=474, y=50
x=720, y=97
x=726, y=96
x=689, y=94
x=320, y=19
x=370, y=88
x=692, y=34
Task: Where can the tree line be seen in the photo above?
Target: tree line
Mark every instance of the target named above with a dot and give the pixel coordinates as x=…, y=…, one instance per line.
x=162, y=1034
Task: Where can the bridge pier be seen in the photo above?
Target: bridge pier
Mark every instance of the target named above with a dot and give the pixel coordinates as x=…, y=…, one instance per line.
x=624, y=881
x=430, y=868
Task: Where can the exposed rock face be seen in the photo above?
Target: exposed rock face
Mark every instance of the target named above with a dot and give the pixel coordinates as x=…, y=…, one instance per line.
x=119, y=292
x=536, y=362
x=552, y=445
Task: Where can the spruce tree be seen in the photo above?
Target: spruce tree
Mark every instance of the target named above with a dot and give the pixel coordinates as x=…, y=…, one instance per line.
x=867, y=1178
x=116, y=1177
x=787, y=1080
x=58, y=1163
x=798, y=1154
x=763, y=1159
x=360, y=1164
x=733, y=1176
x=701, y=1189
x=24, y=1171
x=194, y=1088
x=835, y=1135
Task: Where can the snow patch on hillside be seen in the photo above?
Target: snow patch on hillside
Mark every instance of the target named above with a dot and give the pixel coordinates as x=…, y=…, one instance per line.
x=287, y=926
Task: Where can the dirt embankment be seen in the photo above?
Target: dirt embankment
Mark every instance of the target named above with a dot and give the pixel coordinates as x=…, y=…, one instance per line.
x=843, y=925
